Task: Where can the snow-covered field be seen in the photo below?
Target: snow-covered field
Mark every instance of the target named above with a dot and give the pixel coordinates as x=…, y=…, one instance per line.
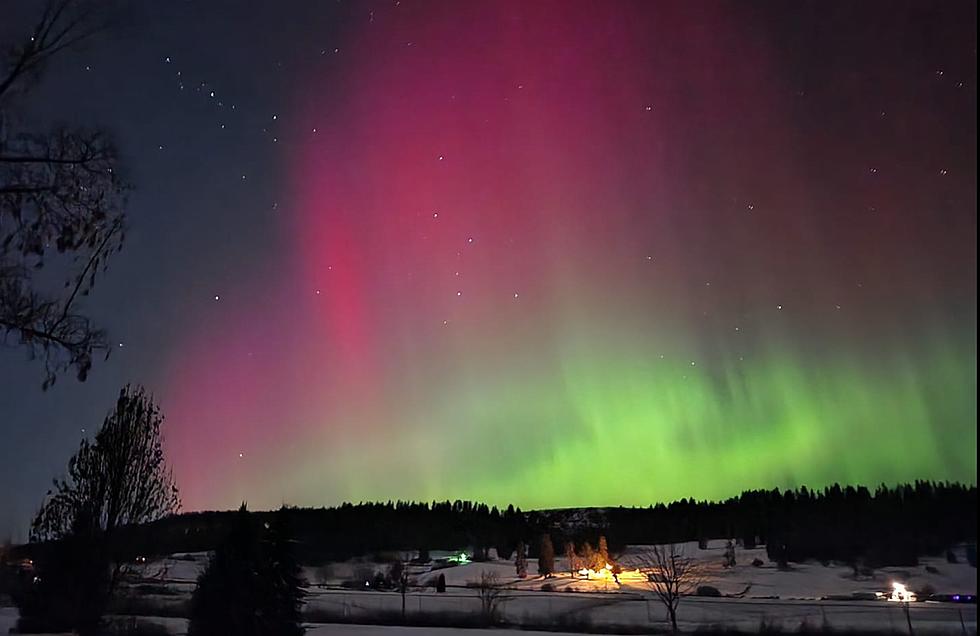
x=779, y=598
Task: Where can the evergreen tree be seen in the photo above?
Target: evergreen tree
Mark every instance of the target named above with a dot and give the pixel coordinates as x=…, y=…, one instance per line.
x=251, y=586
x=588, y=556
x=281, y=574
x=602, y=554
x=572, y=557
x=546, y=557
x=520, y=560
x=729, y=559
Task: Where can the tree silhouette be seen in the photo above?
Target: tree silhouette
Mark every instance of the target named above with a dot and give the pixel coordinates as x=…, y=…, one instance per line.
x=119, y=479
x=671, y=576
x=602, y=553
x=252, y=584
x=546, y=556
x=572, y=557
x=489, y=591
x=60, y=194
x=520, y=560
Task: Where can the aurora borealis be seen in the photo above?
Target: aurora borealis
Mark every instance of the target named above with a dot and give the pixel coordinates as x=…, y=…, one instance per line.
x=587, y=253
x=539, y=256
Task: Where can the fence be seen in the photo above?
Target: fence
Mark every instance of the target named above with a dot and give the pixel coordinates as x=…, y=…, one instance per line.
x=634, y=609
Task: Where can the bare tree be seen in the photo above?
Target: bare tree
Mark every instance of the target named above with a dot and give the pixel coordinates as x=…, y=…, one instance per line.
x=671, y=575
x=120, y=478
x=398, y=575
x=60, y=194
x=490, y=591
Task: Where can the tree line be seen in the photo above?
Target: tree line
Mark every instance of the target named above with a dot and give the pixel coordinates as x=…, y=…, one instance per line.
x=890, y=525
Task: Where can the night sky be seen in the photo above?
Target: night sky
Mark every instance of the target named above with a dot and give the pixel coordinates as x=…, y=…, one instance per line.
x=548, y=253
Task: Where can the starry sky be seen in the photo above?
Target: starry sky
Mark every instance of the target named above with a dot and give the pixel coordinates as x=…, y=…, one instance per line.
x=548, y=253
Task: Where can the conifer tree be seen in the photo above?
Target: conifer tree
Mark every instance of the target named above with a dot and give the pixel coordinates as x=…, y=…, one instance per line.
x=252, y=584
x=520, y=560
x=602, y=554
x=282, y=575
x=572, y=557
x=588, y=556
x=546, y=557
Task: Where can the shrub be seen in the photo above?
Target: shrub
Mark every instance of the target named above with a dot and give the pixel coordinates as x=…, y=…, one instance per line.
x=758, y=563
x=708, y=590
x=548, y=587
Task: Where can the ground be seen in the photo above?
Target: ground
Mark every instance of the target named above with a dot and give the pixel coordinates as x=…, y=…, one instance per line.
x=785, y=599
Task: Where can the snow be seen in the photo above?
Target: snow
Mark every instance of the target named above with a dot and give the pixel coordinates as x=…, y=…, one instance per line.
x=781, y=598
x=335, y=629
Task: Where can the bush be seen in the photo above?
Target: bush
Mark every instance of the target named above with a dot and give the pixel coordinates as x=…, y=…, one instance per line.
x=548, y=587
x=932, y=570
x=758, y=563
x=708, y=590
